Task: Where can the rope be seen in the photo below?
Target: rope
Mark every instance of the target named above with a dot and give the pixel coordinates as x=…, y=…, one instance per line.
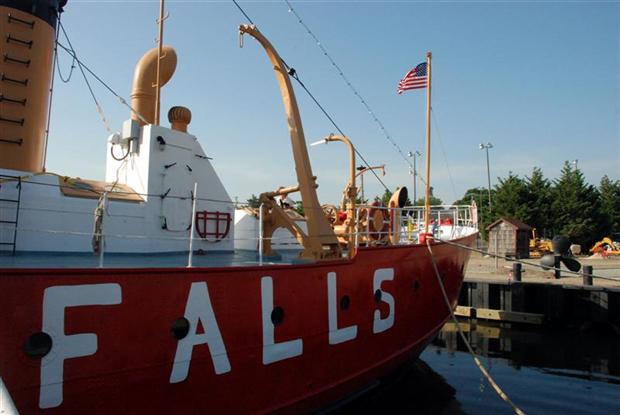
x=73, y=181
x=349, y=84
x=545, y=268
x=70, y=180
x=278, y=239
x=483, y=370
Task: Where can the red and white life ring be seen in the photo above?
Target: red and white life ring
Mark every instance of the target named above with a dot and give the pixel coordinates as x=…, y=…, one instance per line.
x=378, y=221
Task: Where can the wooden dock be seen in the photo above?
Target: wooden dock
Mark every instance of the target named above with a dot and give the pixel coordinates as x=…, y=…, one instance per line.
x=490, y=292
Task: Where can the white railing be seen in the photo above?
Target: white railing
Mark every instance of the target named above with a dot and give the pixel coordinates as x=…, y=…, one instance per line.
x=401, y=226
x=446, y=222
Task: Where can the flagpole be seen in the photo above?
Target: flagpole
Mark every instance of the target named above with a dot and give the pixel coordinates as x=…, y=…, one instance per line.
x=427, y=201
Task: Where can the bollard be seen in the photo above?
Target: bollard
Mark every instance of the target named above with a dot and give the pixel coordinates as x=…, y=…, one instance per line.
x=516, y=272
x=587, y=275
x=556, y=265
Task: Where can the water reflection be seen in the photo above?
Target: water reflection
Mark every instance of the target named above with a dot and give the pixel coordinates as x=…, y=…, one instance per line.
x=542, y=371
x=415, y=388
x=568, y=353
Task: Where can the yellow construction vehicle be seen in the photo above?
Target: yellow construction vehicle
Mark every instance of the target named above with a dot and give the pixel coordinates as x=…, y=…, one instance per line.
x=607, y=246
x=539, y=246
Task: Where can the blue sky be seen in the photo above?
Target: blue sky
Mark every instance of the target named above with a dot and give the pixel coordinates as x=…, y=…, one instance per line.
x=539, y=80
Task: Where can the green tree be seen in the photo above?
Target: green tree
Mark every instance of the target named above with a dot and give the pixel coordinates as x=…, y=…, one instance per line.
x=299, y=207
x=434, y=201
x=610, y=204
x=253, y=202
x=478, y=194
x=385, y=198
x=577, y=208
x=539, y=199
x=510, y=199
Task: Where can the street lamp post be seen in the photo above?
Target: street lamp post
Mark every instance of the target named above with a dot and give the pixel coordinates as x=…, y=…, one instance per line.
x=414, y=155
x=486, y=147
x=361, y=169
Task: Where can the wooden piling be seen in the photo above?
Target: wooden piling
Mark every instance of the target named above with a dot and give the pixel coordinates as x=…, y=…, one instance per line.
x=535, y=303
x=516, y=272
x=587, y=275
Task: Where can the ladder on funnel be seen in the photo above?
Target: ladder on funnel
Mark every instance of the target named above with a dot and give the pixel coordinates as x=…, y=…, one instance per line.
x=10, y=197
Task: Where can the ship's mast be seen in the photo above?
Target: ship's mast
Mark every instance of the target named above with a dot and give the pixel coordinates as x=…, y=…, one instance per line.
x=427, y=200
x=160, y=45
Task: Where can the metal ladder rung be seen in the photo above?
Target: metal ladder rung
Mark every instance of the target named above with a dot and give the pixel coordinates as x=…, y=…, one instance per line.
x=23, y=82
x=13, y=121
x=18, y=141
x=25, y=62
x=13, y=100
x=18, y=41
x=12, y=19
x=17, y=205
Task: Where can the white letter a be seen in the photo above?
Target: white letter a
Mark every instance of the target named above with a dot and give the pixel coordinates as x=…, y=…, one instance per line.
x=198, y=309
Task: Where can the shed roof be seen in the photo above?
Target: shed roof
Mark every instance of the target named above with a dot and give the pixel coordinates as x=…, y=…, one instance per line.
x=515, y=223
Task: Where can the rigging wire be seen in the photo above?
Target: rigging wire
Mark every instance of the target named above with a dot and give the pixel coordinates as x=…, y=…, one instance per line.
x=49, y=103
x=24, y=180
x=372, y=114
x=443, y=151
x=543, y=267
x=83, y=66
x=62, y=78
x=92, y=93
x=294, y=74
x=243, y=12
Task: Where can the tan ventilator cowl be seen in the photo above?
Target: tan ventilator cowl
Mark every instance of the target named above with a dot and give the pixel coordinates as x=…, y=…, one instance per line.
x=179, y=118
x=143, y=94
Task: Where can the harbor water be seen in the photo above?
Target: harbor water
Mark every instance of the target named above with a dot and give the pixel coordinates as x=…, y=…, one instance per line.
x=542, y=371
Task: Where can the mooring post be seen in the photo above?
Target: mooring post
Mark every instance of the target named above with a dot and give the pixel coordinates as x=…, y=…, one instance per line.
x=587, y=275
x=556, y=266
x=516, y=272
x=496, y=252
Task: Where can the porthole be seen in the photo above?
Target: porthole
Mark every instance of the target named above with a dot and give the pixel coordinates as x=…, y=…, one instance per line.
x=378, y=296
x=38, y=345
x=277, y=315
x=180, y=328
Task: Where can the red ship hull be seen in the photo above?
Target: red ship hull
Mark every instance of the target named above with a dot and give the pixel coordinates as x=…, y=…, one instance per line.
x=322, y=348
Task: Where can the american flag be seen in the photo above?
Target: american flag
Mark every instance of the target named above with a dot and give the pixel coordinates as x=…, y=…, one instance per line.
x=415, y=79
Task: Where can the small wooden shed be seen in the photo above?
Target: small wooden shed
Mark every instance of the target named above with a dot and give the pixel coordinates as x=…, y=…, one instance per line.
x=509, y=237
